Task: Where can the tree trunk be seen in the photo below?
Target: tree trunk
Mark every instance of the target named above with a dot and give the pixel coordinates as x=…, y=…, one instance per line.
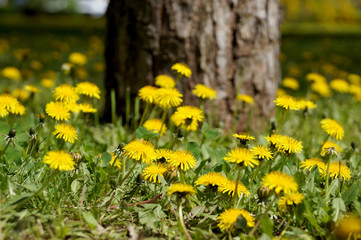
x=231, y=46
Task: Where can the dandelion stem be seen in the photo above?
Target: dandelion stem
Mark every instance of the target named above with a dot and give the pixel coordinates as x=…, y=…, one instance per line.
x=236, y=188
x=161, y=127
x=182, y=222
x=144, y=114
x=129, y=172
x=254, y=229
x=6, y=147
x=280, y=121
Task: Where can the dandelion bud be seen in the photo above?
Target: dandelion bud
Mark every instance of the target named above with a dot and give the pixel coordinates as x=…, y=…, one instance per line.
x=273, y=127
x=263, y=193
x=12, y=133
x=42, y=118
x=32, y=131
x=76, y=156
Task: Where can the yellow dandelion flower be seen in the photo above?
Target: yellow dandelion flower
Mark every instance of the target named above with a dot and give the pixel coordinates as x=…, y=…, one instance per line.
x=31, y=88
x=167, y=98
x=164, y=81
x=280, y=92
x=355, y=90
x=315, y=77
x=20, y=94
x=228, y=218
x=11, y=104
x=72, y=106
x=181, y=190
x=290, y=83
x=245, y=98
x=77, y=58
x=140, y=150
x=339, y=85
x=305, y=104
x=60, y=160
x=57, y=110
x=86, y=108
x=321, y=88
x=187, y=117
x=337, y=168
x=274, y=139
x=204, y=92
x=332, y=128
x=65, y=93
x=242, y=157
x=290, y=200
x=348, y=227
x=212, y=178
x=88, y=89
x=287, y=102
x=66, y=132
x=147, y=94
x=182, y=69
x=182, y=159
x=151, y=172
x=47, y=82
x=243, y=137
x=163, y=155
x=330, y=145
x=11, y=73
x=262, y=152
x=155, y=125
x=310, y=163
x=288, y=145
x=280, y=182
x=354, y=79
x=229, y=187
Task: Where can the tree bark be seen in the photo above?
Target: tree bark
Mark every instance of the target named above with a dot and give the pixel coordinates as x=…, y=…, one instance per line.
x=230, y=45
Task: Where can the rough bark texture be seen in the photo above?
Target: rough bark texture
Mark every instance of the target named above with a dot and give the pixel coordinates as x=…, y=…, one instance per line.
x=230, y=45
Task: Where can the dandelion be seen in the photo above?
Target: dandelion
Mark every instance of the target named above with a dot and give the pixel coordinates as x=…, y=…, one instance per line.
x=310, y=163
x=147, y=94
x=3, y=111
x=348, y=227
x=60, y=160
x=280, y=182
x=181, y=190
x=11, y=104
x=332, y=128
x=204, y=92
x=337, y=169
x=31, y=88
x=163, y=155
x=66, y=132
x=262, y=152
x=182, y=159
x=290, y=83
x=321, y=88
x=155, y=125
x=229, y=187
x=47, y=82
x=214, y=179
x=182, y=69
x=187, y=117
x=288, y=145
x=245, y=98
x=287, y=102
x=164, y=81
x=228, y=218
x=243, y=137
x=167, y=98
x=354, y=79
x=290, y=200
x=88, y=89
x=305, y=104
x=242, y=157
x=86, y=108
x=330, y=145
x=77, y=58
x=140, y=150
x=65, y=93
x=151, y=173
x=67, y=68
x=20, y=94
x=11, y=73
x=339, y=85
x=315, y=77
x=57, y=110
